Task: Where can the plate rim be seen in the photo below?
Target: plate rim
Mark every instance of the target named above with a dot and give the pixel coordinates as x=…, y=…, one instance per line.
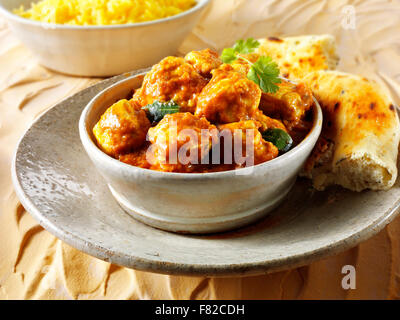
x=174, y=268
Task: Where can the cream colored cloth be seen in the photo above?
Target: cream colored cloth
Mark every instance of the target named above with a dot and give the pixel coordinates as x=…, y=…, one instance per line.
x=36, y=265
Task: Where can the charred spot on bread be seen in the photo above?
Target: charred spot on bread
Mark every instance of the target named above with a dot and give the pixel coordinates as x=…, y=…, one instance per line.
x=275, y=39
x=340, y=160
x=336, y=106
x=391, y=107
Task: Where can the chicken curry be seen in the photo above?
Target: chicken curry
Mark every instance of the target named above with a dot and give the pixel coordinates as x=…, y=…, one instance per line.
x=198, y=106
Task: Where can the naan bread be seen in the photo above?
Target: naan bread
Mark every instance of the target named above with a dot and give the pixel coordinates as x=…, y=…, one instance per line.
x=298, y=56
x=359, y=142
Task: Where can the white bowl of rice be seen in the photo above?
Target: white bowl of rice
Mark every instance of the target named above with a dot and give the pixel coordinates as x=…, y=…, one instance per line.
x=101, y=37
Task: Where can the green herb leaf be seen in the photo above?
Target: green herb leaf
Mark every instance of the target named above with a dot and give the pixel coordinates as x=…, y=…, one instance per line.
x=240, y=47
x=228, y=55
x=265, y=73
x=279, y=138
x=157, y=110
x=246, y=46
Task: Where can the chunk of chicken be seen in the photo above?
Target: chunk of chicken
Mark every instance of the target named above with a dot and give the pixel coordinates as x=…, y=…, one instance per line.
x=228, y=97
x=290, y=103
x=241, y=133
x=122, y=128
x=204, y=61
x=180, y=141
x=171, y=79
x=243, y=66
x=267, y=122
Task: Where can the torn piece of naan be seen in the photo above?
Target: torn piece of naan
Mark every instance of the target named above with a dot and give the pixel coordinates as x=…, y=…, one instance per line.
x=359, y=142
x=298, y=56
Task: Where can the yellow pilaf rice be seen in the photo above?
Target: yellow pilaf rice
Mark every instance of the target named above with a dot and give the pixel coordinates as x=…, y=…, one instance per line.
x=102, y=12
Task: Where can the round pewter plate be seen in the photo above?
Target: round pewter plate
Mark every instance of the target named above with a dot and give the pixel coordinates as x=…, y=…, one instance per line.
x=57, y=183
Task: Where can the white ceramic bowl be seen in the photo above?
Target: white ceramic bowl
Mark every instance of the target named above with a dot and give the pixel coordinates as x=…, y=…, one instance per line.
x=101, y=50
x=193, y=202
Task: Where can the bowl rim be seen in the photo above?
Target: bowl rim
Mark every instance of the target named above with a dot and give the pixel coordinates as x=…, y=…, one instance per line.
x=200, y=4
x=91, y=147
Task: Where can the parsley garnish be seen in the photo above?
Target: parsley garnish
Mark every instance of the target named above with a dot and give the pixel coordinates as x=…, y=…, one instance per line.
x=157, y=110
x=228, y=55
x=264, y=71
x=246, y=46
x=240, y=47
